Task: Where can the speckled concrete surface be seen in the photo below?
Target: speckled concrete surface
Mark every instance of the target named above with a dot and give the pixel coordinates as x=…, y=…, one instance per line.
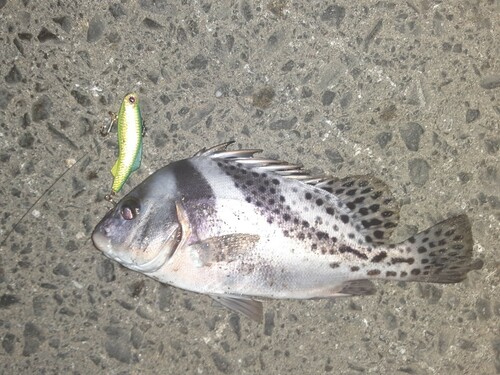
x=407, y=91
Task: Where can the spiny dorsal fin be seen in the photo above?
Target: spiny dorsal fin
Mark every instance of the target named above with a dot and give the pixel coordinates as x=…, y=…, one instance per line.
x=370, y=202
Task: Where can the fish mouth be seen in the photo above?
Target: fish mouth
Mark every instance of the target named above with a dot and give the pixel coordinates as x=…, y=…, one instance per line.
x=129, y=255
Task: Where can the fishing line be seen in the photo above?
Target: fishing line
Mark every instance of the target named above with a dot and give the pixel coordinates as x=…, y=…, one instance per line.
x=104, y=131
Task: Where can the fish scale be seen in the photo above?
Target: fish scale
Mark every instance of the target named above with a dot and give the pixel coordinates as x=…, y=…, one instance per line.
x=240, y=228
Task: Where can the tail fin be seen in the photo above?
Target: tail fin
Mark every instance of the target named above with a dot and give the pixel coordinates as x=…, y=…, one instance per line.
x=440, y=254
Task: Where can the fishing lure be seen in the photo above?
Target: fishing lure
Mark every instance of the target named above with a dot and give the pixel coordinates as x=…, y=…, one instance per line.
x=130, y=133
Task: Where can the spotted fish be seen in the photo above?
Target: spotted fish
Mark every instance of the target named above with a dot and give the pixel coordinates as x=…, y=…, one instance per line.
x=241, y=228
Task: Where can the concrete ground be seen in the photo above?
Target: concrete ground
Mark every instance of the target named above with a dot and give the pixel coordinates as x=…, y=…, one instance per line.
x=407, y=91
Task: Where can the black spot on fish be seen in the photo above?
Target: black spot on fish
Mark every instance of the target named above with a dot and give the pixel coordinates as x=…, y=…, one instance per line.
x=364, y=211
x=391, y=274
x=379, y=257
x=402, y=260
x=374, y=207
x=344, y=218
x=373, y=272
x=334, y=265
x=272, y=190
x=286, y=217
x=368, y=239
x=322, y=235
x=351, y=192
x=262, y=189
x=271, y=201
x=378, y=234
x=275, y=181
x=282, y=198
x=403, y=274
x=305, y=224
x=319, y=201
x=354, y=268
x=415, y=272
x=330, y=211
x=449, y=233
x=308, y=195
x=351, y=235
x=370, y=223
x=348, y=249
x=248, y=199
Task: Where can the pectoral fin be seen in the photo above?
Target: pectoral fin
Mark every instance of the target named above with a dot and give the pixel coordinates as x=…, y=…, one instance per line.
x=250, y=308
x=227, y=248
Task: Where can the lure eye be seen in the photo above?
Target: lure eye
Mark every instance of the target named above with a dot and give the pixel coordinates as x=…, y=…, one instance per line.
x=130, y=209
x=131, y=99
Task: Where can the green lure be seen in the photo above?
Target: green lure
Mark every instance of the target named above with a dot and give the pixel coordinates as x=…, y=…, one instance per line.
x=130, y=132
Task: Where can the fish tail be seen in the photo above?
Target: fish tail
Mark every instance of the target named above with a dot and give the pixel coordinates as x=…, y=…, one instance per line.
x=440, y=254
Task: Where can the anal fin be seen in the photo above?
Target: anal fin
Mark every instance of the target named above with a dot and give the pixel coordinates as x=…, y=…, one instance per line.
x=361, y=287
x=250, y=308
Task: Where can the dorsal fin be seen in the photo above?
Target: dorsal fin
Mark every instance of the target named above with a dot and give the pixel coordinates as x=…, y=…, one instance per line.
x=370, y=202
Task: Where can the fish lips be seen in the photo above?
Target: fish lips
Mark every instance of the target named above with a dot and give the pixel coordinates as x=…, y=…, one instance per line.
x=129, y=255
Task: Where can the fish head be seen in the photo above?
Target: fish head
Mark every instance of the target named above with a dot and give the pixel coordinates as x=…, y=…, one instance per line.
x=142, y=231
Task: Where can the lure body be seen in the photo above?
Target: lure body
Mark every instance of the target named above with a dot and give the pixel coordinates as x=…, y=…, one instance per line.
x=130, y=130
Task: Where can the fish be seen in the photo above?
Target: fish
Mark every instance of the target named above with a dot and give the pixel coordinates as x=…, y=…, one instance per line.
x=130, y=135
x=244, y=229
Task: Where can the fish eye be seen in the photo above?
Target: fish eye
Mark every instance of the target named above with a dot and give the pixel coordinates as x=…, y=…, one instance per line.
x=130, y=209
x=131, y=99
